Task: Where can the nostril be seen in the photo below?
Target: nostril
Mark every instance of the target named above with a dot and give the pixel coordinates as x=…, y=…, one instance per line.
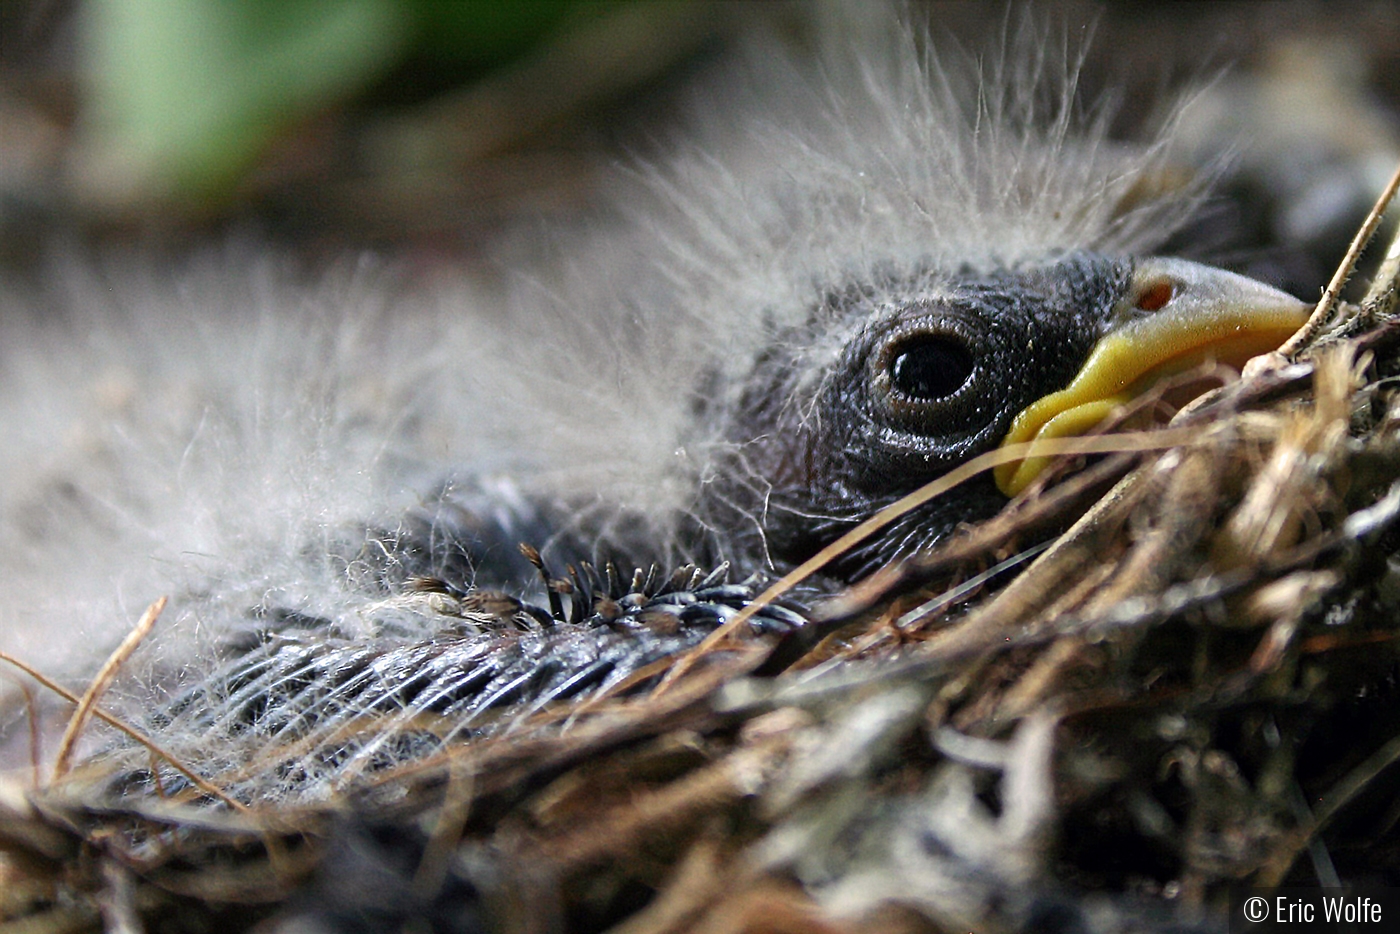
x=1156, y=296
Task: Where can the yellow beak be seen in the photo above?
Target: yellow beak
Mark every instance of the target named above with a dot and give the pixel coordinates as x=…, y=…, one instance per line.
x=1176, y=316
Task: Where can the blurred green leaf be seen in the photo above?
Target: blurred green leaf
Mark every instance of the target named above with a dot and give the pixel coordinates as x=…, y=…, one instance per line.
x=183, y=95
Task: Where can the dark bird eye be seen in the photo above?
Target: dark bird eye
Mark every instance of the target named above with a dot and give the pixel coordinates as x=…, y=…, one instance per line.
x=931, y=368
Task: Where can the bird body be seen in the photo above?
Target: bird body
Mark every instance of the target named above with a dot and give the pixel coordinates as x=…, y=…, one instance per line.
x=842, y=287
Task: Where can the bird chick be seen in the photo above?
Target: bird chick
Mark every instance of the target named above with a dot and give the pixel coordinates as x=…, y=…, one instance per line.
x=858, y=277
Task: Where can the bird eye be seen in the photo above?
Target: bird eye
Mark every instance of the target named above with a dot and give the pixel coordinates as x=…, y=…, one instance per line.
x=930, y=368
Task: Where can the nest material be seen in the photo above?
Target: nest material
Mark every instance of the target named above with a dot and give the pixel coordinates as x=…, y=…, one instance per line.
x=1148, y=682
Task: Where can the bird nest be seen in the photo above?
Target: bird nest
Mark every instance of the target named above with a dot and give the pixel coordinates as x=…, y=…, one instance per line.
x=1166, y=671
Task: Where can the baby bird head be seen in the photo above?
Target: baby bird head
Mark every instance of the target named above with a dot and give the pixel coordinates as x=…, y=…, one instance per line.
x=932, y=371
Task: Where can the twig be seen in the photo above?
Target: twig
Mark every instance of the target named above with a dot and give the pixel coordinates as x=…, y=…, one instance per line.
x=1336, y=797
x=117, y=900
x=99, y=684
x=1383, y=286
x=1326, y=305
x=31, y=714
x=447, y=830
x=131, y=732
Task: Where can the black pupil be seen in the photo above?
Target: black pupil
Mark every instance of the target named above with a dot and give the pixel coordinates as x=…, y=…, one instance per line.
x=932, y=368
